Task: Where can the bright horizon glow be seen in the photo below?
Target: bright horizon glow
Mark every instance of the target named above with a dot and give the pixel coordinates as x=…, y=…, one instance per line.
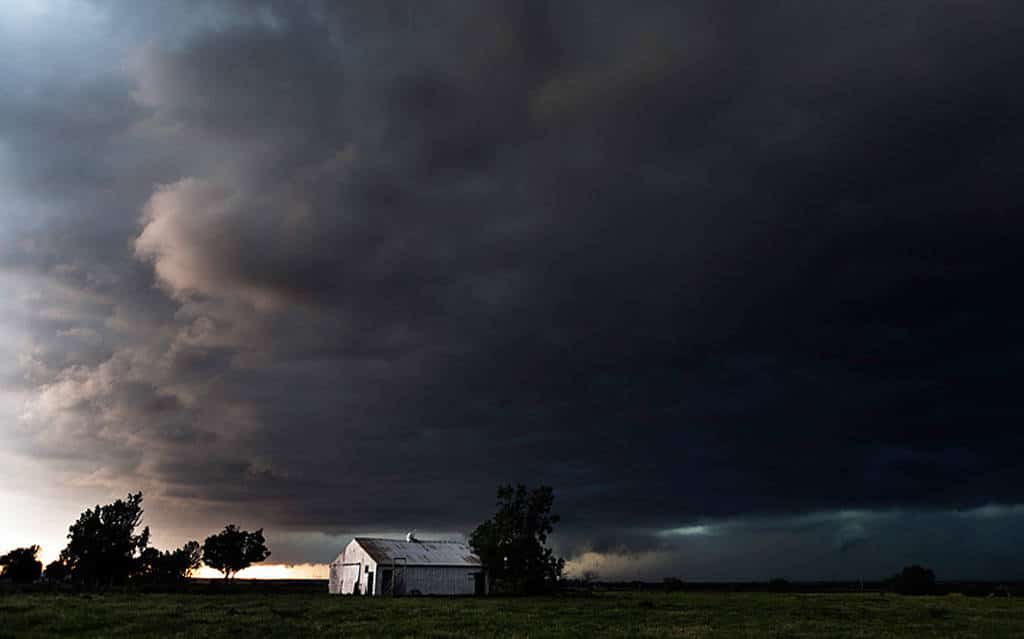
x=271, y=571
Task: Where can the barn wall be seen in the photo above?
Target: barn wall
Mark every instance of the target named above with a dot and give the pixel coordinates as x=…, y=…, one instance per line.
x=349, y=569
x=441, y=580
x=334, y=582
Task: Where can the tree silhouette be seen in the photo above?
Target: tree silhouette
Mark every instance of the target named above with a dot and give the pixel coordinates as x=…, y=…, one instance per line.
x=20, y=565
x=169, y=567
x=56, y=571
x=233, y=549
x=914, y=580
x=103, y=546
x=512, y=543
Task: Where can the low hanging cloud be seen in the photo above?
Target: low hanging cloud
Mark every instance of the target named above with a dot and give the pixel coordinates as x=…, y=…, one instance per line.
x=181, y=220
x=349, y=267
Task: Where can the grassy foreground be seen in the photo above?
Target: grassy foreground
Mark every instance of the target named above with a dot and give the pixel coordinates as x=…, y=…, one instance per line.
x=598, y=615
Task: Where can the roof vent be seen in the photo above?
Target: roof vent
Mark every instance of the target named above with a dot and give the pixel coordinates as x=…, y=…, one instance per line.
x=411, y=536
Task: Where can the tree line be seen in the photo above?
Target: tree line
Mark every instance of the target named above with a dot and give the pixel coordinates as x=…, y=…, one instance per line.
x=108, y=546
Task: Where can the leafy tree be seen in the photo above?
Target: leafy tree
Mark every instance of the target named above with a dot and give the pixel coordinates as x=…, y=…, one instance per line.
x=168, y=567
x=233, y=549
x=56, y=571
x=512, y=543
x=103, y=545
x=914, y=580
x=20, y=565
x=189, y=557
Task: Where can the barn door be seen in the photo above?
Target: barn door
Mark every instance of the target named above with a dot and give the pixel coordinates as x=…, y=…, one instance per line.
x=398, y=578
x=350, y=578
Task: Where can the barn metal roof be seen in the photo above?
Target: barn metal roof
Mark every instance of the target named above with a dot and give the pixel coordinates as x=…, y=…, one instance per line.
x=419, y=553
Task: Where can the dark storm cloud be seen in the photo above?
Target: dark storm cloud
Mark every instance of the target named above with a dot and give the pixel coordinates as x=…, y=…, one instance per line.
x=850, y=545
x=681, y=262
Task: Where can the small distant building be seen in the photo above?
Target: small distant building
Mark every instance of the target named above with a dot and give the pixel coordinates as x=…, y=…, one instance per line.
x=370, y=566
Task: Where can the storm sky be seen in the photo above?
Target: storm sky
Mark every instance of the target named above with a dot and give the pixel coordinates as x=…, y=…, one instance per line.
x=740, y=280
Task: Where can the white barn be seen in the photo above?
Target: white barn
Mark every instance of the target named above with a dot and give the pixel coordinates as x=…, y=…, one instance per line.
x=370, y=566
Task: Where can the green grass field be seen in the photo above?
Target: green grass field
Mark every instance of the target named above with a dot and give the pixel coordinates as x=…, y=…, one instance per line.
x=598, y=615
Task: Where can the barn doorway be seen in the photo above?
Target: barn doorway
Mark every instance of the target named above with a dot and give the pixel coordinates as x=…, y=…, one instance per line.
x=397, y=578
x=350, y=578
x=478, y=583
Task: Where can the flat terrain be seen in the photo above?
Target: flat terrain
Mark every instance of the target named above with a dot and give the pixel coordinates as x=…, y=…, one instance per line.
x=612, y=614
